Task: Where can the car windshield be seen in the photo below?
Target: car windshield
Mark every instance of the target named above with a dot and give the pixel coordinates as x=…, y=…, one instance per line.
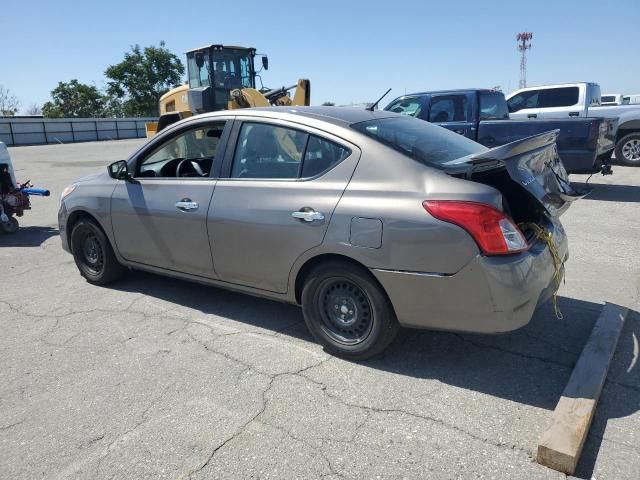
x=420, y=140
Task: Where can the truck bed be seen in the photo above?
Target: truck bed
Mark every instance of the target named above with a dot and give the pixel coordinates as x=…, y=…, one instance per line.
x=583, y=143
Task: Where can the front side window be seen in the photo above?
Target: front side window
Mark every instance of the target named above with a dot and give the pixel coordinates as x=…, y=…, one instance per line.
x=422, y=141
x=198, y=74
x=188, y=154
x=558, y=97
x=406, y=106
x=523, y=100
x=449, y=108
x=493, y=106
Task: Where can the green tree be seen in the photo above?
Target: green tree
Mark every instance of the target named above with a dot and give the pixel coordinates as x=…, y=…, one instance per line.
x=328, y=104
x=143, y=77
x=74, y=99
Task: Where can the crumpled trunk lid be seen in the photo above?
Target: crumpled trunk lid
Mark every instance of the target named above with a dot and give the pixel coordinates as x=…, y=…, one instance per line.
x=532, y=162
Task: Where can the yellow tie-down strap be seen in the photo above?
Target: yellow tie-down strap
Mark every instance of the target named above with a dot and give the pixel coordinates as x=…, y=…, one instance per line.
x=558, y=264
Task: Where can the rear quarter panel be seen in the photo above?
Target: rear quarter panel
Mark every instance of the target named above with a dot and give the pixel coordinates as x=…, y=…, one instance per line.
x=390, y=187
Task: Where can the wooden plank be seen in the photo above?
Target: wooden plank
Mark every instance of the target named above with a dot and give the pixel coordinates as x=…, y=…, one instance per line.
x=561, y=445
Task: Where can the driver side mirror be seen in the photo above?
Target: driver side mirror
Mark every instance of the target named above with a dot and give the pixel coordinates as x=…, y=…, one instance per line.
x=119, y=170
x=265, y=62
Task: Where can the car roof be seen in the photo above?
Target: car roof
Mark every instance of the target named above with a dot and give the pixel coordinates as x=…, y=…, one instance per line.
x=454, y=90
x=342, y=116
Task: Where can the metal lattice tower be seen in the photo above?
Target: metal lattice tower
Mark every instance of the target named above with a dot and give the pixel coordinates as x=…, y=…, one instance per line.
x=524, y=44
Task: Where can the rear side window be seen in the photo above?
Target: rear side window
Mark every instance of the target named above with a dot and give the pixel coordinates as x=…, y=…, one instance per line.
x=558, y=97
x=493, y=107
x=270, y=151
x=449, y=108
x=427, y=143
x=528, y=99
x=406, y=106
x=321, y=155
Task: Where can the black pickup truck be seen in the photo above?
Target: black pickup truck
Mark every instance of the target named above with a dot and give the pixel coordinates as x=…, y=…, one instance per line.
x=585, y=145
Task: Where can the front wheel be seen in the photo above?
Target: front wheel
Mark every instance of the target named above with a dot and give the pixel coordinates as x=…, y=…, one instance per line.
x=628, y=150
x=347, y=311
x=93, y=254
x=11, y=226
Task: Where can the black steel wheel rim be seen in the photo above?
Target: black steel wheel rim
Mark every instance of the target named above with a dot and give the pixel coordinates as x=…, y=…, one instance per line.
x=92, y=252
x=347, y=316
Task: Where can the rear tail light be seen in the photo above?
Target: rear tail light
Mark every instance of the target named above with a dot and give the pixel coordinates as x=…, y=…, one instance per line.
x=494, y=232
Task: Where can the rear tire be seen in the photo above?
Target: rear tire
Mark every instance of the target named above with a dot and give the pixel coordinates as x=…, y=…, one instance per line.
x=93, y=254
x=347, y=311
x=628, y=150
x=11, y=226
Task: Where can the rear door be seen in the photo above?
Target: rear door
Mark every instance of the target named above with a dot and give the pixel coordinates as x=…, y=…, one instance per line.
x=159, y=218
x=561, y=102
x=283, y=184
x=452, y=111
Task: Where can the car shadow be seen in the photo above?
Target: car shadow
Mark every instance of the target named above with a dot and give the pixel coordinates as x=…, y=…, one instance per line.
x=609, y=193
x=530, y=366
x=27, y=237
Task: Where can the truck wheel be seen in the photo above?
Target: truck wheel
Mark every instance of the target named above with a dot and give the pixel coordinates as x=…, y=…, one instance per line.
x=628, y=150
x=347, y=311
x=93, y=254
x=11, y=226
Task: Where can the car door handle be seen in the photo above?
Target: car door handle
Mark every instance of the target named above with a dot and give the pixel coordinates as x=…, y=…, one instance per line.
x=308, y=215
x=574, y=114
x=186, y=204
x=532, y=115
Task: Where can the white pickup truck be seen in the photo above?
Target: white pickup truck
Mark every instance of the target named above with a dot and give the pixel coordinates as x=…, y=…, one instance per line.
x=580, y=100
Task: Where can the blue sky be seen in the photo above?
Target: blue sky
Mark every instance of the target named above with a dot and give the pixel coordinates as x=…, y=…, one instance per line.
x=351, y=50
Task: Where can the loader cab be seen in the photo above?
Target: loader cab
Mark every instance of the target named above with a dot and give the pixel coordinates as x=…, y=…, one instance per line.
x=214, y=71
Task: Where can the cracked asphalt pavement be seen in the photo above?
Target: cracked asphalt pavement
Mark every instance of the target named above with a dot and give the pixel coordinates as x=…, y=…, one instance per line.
x=158, y=378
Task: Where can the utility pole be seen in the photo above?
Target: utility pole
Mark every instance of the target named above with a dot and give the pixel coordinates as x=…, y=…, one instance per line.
x=524, y=44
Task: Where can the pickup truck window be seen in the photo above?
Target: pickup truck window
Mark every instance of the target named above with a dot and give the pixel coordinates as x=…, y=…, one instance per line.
x=448, y=108
x=406, y=106
x=558, y=97
x=493, y=107
x=528, y=99
x=420, y=140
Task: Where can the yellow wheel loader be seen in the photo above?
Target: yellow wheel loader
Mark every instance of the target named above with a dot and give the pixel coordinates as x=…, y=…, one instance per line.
x=223, y=77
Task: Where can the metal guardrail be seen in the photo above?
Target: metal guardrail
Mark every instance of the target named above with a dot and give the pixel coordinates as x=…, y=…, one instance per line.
x=42, y=131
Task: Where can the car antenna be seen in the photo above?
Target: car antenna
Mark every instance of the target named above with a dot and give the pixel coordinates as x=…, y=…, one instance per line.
x=374, y=105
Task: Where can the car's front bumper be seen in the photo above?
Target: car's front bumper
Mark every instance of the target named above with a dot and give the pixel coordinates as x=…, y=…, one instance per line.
x=62, y=224
x=489, y=295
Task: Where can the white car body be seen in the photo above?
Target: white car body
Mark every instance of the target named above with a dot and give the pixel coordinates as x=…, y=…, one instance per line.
x=580, y=100
x=5, y=159
x=610, y=99
x=633, y=99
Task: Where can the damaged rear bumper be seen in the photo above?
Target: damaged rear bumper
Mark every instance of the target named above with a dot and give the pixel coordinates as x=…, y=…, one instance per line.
x=489, y=295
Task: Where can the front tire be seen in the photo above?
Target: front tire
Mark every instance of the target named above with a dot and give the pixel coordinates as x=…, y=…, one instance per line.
x=93, y=254
x=347, y=311
x=628, y=150
x=11, y=226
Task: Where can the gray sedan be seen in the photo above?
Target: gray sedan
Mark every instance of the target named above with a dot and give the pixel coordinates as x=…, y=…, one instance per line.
x=368, y=220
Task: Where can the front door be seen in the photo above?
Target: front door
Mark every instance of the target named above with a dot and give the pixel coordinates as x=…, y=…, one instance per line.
x=159, y=218
x=452, y=111
x=282, y=188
